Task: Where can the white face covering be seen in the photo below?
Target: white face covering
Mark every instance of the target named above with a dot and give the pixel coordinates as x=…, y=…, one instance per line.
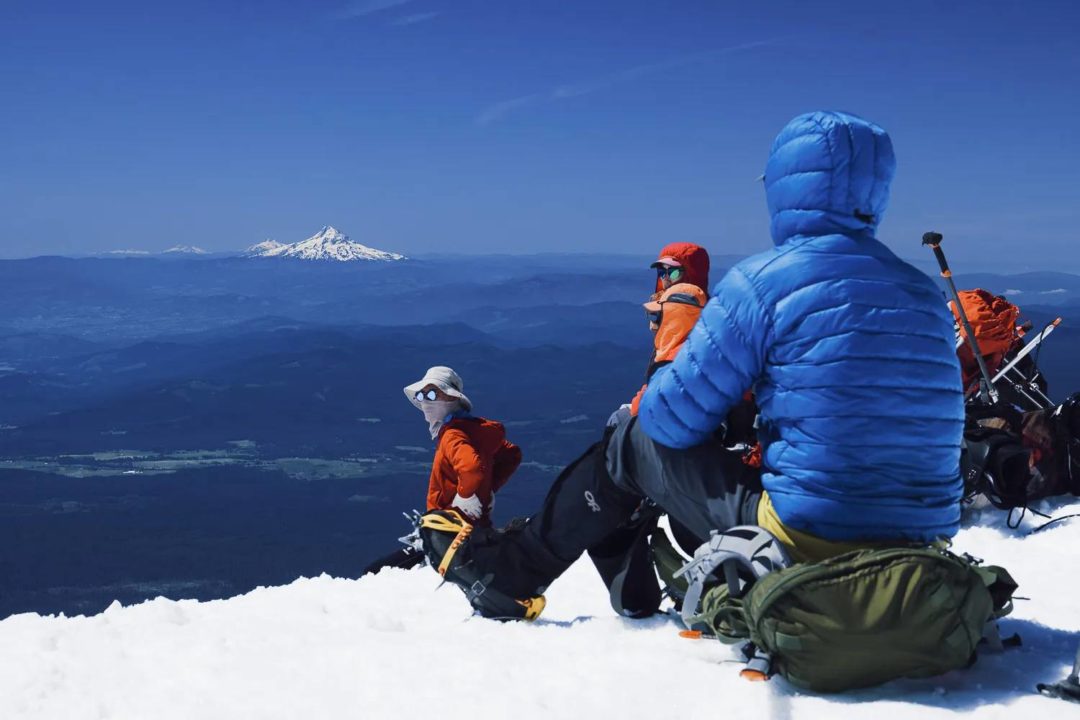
x=435, y=412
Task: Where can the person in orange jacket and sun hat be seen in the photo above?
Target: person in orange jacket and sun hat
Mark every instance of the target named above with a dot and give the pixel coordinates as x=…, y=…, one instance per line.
x=473, y=459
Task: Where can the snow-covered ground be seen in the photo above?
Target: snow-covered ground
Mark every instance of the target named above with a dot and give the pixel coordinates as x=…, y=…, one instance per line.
x=397, y=646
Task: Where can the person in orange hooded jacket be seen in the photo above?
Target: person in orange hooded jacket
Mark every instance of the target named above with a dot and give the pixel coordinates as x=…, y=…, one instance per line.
x=473, y=459
x=623, y=559
x=682, y=289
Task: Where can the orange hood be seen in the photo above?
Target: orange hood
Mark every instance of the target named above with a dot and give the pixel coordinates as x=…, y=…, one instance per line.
x=693, y=259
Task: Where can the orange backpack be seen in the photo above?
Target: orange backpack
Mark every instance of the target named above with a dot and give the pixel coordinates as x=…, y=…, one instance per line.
x=993, y=320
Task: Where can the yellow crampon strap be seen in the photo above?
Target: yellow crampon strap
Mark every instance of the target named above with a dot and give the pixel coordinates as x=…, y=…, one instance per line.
x=444, y=524
x=452, y=550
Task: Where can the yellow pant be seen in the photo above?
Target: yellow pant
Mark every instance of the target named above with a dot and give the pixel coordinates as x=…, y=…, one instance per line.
x=803, y=547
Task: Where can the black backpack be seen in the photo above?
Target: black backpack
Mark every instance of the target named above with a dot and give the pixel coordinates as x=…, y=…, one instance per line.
x=1030, y=458
x=995, y=463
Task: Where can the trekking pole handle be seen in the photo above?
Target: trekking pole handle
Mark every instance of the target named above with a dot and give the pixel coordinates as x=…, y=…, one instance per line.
x=933, y=239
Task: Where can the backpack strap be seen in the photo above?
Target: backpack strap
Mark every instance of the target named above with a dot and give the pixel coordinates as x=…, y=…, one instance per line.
x=1001, y=586
x=668, y=561
x=744, y=554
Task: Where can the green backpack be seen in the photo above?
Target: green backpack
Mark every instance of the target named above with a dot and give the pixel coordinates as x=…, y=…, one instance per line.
x=862, y=618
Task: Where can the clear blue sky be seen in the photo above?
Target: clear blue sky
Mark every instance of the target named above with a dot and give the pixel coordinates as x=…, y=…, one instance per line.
x=522, y=125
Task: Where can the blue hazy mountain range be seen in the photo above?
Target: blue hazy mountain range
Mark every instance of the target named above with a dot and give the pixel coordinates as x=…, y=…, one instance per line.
x=198, y=426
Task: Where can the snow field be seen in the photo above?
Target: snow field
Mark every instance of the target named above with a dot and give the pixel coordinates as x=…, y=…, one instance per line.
x=397, y=646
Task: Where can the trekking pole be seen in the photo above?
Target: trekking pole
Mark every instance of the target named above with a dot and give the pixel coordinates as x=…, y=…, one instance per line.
x=986, y=389
x=1067, y=689
x=1028, y=347
x=1029, y=388
x=1012, y=374
x=1022, y=388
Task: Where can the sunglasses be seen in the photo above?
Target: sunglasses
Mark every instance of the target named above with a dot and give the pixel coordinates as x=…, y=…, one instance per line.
x=421, y=396
x=671, y=273
x=654, y=317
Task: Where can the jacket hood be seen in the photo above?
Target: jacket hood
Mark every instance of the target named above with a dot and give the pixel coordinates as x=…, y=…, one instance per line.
x=695, y=261
x=479, y=429
x=828, y=172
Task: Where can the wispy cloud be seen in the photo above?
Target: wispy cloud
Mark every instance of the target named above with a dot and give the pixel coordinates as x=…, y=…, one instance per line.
x=414, y=18
x=363, y=8
x=497, y=111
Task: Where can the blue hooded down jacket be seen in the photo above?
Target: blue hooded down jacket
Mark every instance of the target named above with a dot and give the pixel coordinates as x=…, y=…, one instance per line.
x=850, y=351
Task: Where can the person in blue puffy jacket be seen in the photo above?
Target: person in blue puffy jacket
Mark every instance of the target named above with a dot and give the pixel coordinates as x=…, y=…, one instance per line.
x=850, y=354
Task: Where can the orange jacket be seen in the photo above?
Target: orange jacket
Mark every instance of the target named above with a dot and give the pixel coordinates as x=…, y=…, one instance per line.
x=678, y=320
x=993, y=320
x=473, y=457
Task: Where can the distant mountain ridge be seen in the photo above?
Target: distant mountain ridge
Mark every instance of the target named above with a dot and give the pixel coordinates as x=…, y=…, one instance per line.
x=264, y=248
x=327, y=244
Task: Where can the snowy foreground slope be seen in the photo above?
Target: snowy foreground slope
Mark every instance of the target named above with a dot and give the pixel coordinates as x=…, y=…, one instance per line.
x=395, y=646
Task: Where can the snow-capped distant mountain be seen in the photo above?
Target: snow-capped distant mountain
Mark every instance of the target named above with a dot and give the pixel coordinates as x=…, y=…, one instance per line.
x=185, y=250
x=266, y=247
x=327, y=244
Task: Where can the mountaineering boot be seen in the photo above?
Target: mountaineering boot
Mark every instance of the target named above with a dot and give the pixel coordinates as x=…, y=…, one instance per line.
x=452, y=545
x=497, y=568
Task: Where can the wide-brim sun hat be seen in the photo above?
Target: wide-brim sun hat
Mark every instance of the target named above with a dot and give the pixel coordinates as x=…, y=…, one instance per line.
x=443, y=378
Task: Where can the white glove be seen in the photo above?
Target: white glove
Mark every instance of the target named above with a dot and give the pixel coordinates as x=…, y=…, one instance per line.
x=470, y=507
x=619, y=416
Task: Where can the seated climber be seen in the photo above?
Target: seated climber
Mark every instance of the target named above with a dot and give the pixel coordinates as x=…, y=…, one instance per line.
x=473, y=458
x=850, y=352
x=682, y=277
x=624, y=559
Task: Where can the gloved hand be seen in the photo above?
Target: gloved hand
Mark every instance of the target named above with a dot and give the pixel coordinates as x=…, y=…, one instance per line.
x=470, y=507
x=619, y=416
